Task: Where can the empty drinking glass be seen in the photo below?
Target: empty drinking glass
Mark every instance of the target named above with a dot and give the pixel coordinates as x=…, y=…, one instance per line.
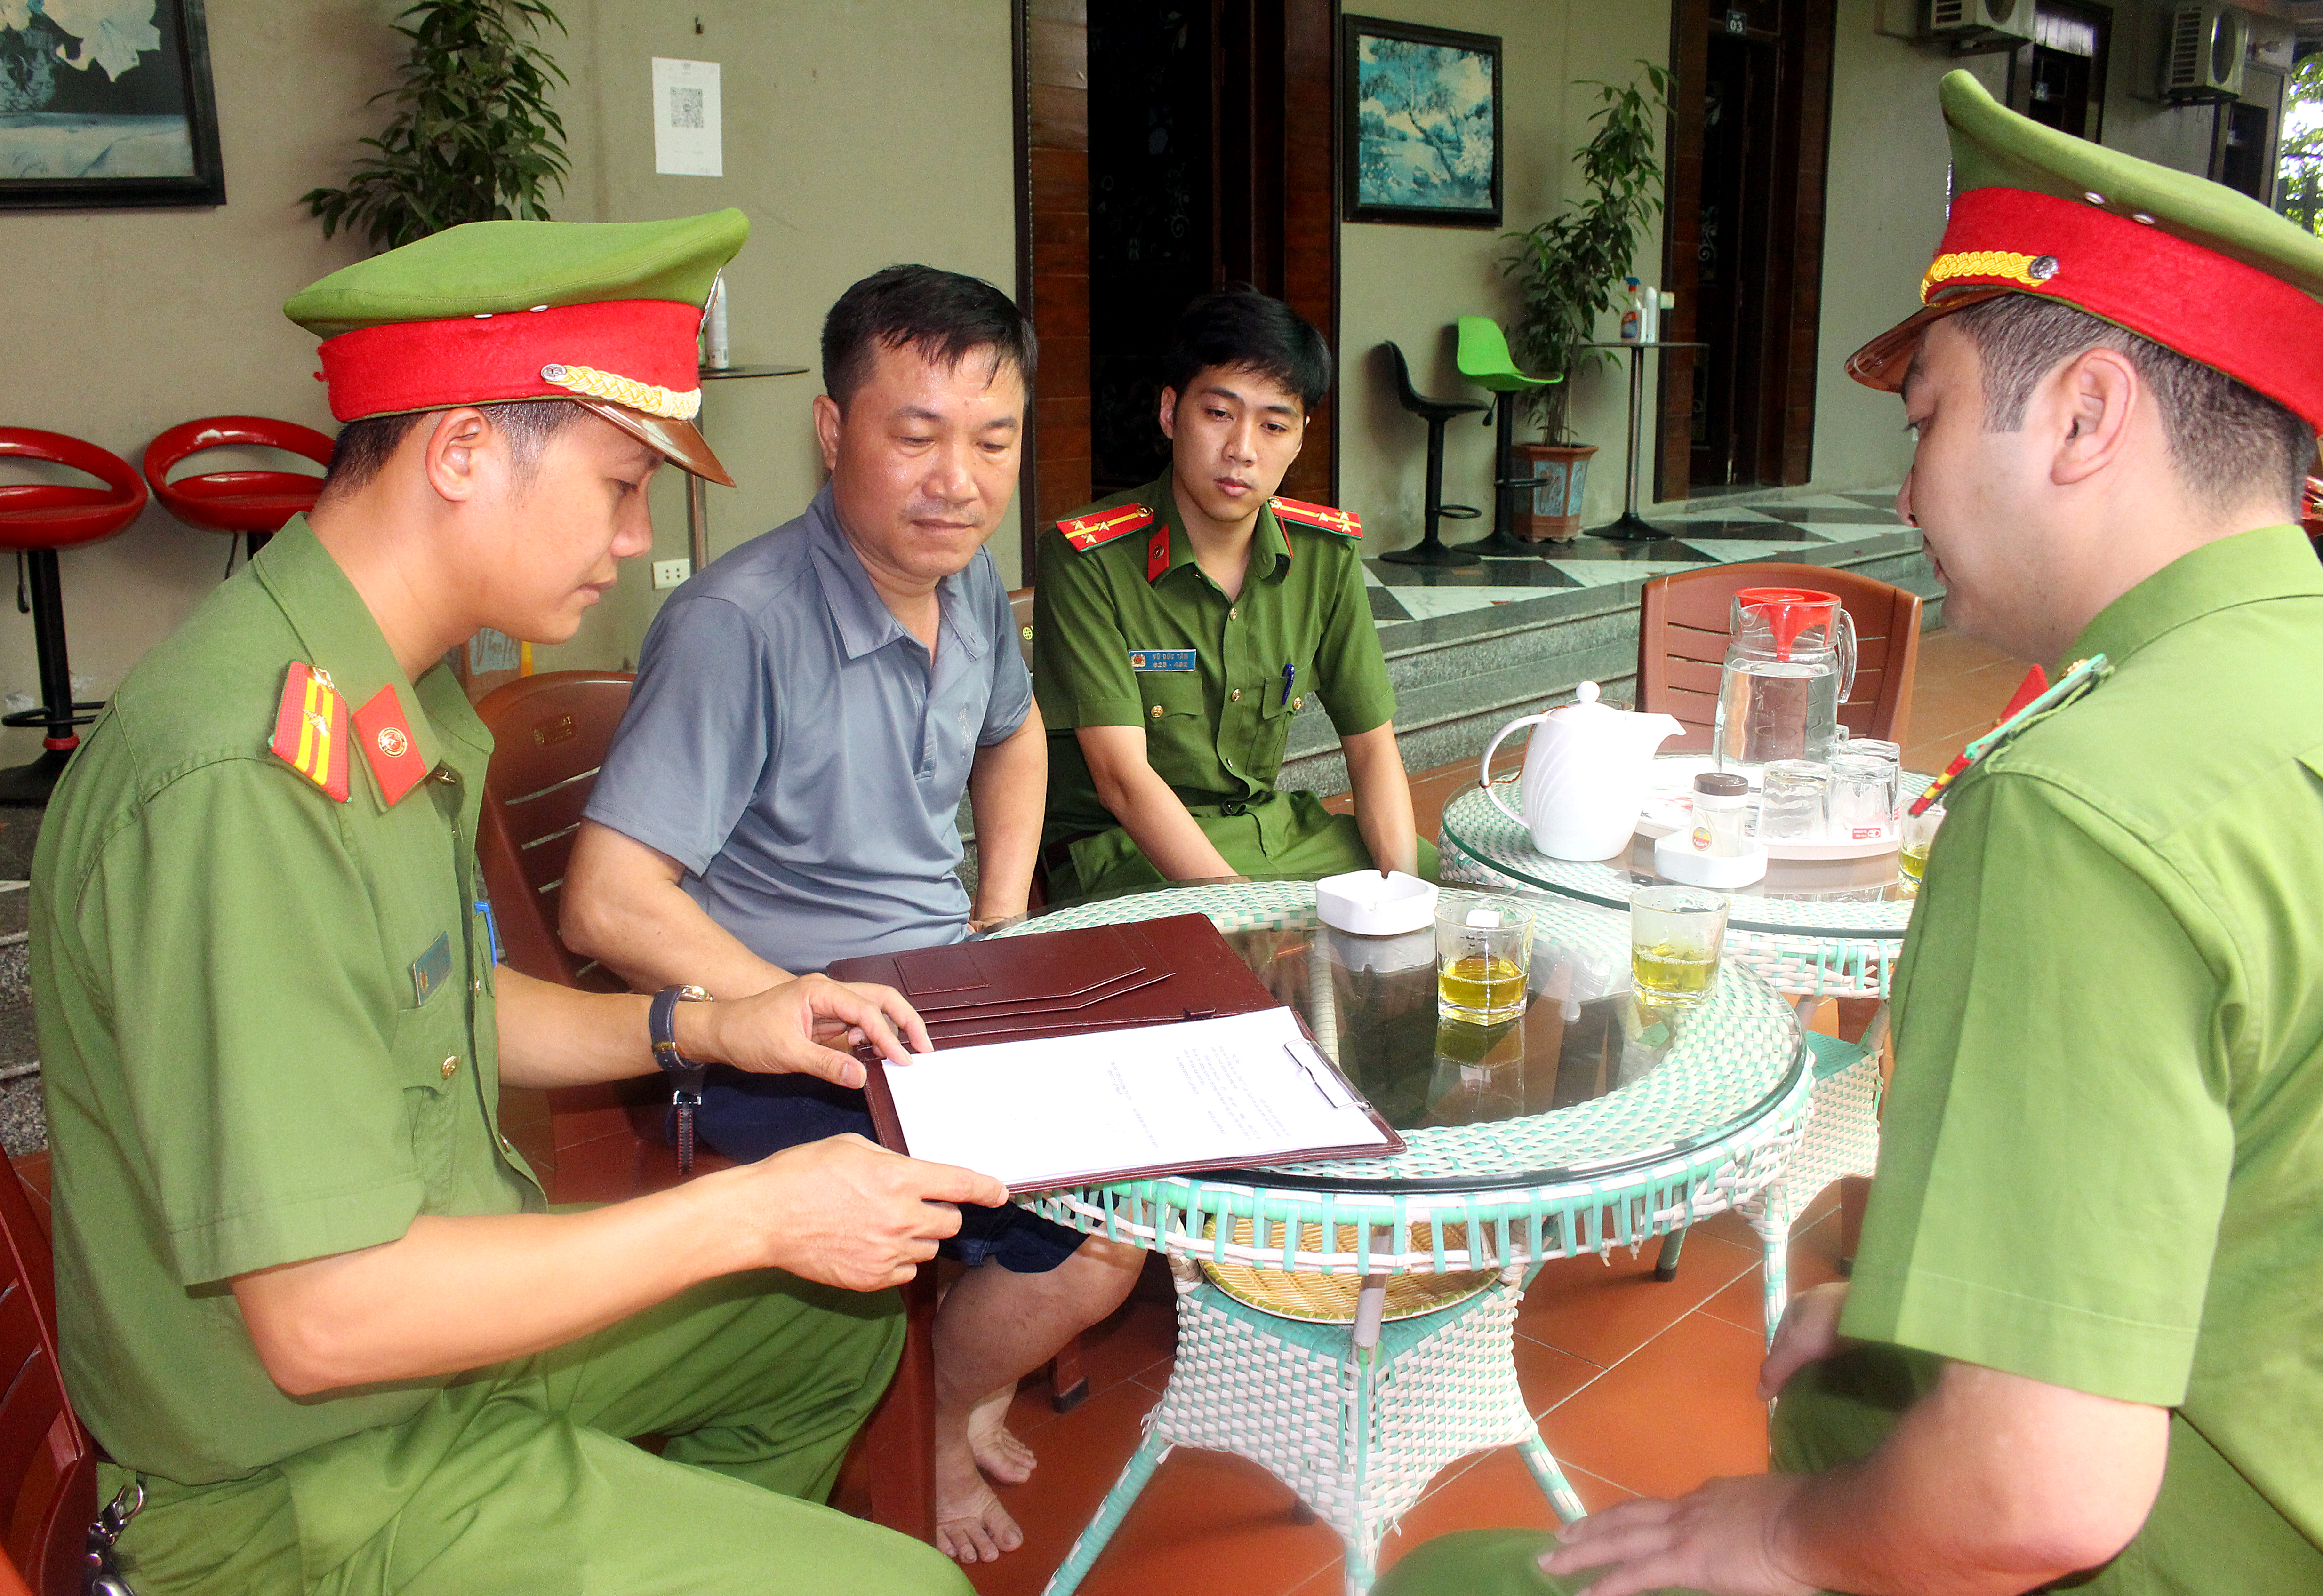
x=1795, y=800
x=1862, y=795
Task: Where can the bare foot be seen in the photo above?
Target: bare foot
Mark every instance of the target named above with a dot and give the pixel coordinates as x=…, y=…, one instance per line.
x=970, y=1523
x=997, y=1452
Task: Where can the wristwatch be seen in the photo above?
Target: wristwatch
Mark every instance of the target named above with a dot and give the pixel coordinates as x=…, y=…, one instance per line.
x=661, y=1025
x=685, y=1074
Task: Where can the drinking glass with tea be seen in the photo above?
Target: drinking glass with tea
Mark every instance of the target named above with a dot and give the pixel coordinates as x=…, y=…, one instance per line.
x=1675, y=936
x=1484, y=958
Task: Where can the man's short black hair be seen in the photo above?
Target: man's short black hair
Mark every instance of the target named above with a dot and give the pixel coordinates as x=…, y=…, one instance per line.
x=1245, y=330
x=2225, y=438
x=945, y=315
x=365, y=445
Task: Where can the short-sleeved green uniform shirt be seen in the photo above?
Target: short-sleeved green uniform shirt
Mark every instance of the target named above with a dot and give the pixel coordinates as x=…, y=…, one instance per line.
x=2101, y=1165
x=266, y=1017
x=1134, y=633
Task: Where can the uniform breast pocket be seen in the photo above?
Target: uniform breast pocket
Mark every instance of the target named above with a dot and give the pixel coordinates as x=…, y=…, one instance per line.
x=434, y=1065
x=1271, y=735
x=1176, y=727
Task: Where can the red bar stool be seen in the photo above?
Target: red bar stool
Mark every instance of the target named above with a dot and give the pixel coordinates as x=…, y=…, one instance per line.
x=36, y=520
x=252, y=504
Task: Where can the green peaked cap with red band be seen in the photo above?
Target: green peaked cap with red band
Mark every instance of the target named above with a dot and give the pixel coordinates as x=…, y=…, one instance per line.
x=604, y=314
x=2187, y=262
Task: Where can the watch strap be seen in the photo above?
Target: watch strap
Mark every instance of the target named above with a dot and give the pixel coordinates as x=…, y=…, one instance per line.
x=661, y=1025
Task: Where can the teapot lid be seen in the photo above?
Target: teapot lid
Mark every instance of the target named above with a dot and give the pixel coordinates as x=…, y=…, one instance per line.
x=1584, y=706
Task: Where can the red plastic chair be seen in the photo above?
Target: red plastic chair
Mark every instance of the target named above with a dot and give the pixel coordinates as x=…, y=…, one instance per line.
x=252, y=504
x=36, y=520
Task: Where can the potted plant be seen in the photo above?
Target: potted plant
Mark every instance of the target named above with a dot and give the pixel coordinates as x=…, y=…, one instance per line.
x=1570, y=267
x=476, y=140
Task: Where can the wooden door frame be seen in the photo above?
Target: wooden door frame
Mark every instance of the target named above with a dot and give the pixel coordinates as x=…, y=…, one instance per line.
x=1794, y=284
x=1282, y=236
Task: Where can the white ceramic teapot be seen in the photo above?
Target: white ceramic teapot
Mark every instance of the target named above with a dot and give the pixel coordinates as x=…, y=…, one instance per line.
x=1585, y=775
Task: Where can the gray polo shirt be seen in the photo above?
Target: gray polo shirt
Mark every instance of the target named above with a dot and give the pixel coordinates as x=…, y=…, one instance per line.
x=788, y=743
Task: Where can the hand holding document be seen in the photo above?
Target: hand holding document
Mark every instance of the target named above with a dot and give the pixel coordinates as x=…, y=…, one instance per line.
x=1249, y=1089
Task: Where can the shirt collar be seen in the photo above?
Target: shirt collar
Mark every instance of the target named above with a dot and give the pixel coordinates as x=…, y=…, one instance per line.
x=1270, y=544
x=865, y=622
x=337, y=633
x=2271, y=563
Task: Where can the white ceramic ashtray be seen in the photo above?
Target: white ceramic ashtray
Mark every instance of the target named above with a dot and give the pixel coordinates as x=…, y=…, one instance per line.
x=1371, y=905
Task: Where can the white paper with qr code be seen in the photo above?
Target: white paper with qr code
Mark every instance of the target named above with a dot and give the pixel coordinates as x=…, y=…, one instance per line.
x=1244, y=1088
x=689, y=140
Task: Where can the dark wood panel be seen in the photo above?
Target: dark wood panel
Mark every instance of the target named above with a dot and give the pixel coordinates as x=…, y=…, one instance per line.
x=1052, y=252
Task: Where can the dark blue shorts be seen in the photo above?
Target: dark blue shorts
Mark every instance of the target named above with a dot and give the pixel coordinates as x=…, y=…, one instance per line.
x=747, y=1116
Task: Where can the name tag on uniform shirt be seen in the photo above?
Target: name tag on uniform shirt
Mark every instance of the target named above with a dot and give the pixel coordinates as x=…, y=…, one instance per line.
x=1161, y=659
x=431, y=970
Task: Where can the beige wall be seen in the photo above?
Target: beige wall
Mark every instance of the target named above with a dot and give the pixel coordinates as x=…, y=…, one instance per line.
x=1410, y=284
x=857, y=133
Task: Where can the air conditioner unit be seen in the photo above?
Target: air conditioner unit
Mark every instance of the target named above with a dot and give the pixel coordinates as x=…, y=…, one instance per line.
x=1981, y=22
x=2203, y=52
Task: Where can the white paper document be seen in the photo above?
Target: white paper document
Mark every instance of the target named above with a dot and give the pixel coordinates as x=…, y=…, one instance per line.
x=688, y=140
x=1049, y=1111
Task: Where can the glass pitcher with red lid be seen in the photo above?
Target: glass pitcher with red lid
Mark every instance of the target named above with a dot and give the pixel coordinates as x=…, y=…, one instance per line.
x=1790, y=663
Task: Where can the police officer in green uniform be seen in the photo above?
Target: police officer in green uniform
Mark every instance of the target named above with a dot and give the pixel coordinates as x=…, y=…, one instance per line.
x=2080, y=1346
x=1177, y=630
x=313, y=1304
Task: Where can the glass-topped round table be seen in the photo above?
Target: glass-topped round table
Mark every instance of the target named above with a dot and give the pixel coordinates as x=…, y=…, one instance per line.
x=1589, y=1123
x=1830, y=928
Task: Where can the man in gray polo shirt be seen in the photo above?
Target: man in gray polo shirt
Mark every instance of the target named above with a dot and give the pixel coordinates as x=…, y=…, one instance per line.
x=782, y=794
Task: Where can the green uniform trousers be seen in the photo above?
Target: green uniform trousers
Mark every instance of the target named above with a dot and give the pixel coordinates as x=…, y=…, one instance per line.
x=1832, y=1413
x=1315, y=844
x=519, y=1479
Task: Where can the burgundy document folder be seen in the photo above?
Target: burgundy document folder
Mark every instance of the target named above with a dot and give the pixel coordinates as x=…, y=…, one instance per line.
x=1070, y=983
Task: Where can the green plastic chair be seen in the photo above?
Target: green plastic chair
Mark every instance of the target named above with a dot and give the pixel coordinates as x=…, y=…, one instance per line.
x=1482, y=358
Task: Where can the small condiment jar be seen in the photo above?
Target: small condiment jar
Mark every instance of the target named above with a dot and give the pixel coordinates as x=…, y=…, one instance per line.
x=1720, y=805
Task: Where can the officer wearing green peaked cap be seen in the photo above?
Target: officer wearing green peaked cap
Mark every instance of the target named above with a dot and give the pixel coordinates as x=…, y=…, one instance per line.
x=2078, y=1349
x=314, y=1304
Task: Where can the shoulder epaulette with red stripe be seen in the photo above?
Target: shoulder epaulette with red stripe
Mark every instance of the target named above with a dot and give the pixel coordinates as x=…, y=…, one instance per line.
x=1099, y=527
x=310, y=730
x=1345, y=523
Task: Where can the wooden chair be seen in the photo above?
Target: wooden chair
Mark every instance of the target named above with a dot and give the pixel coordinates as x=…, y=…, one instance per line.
x=1682, y=628
x=48, y=1463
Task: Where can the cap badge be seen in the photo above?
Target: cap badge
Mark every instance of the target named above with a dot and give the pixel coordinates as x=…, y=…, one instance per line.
x=625, y=391
x=2032, y=270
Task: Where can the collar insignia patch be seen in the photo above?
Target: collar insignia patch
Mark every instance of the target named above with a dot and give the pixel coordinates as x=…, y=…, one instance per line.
x=387, y=745
x=310, y=730
x=1157, y=552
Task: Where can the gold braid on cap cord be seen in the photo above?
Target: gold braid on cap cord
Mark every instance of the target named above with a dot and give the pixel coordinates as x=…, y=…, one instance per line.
x=2032, y=270
x=626, y=390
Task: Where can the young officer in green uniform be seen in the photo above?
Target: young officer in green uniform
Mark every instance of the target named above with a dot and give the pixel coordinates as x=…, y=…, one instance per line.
x=2082, y=1332
x=313, y=1303
x=1178, y=629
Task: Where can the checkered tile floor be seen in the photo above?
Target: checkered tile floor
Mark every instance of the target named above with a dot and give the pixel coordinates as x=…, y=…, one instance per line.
x=1715, y=535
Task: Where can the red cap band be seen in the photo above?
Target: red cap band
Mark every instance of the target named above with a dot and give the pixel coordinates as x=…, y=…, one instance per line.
x=482, y=360
x=2209, y=307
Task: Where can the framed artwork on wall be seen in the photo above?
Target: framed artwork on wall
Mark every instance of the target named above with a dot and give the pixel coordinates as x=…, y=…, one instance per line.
x=1421, y=123
x=107, y=103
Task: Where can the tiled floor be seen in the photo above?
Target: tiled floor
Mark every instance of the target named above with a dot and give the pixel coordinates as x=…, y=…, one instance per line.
x=1639, y=1387
x=1773, y=524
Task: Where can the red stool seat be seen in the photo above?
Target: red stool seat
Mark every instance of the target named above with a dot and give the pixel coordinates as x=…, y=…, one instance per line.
x=37, y=519
x=253, y=504
x=53, y=515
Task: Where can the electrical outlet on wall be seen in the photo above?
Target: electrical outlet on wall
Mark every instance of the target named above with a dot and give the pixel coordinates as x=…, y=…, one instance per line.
x=671, y=573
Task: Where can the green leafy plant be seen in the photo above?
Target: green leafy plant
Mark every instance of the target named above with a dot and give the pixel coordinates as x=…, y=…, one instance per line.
x=1571, y=267
x=475, y=139
x=2298, y=180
